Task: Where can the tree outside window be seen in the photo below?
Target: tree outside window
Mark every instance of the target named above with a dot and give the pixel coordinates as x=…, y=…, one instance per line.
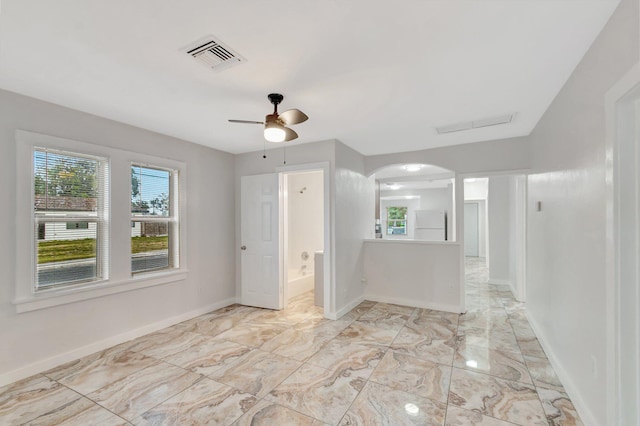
x=397, y=220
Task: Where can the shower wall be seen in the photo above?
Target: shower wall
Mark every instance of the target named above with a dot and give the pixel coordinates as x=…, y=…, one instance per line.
x=305, y=221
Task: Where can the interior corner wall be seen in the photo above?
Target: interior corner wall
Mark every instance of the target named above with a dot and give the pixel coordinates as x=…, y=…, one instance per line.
x=31, y=338
x=566, y=271
x=354, y=222
x=499, y=202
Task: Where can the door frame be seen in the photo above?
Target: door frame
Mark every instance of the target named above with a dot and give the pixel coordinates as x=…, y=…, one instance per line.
x=622, y=179
x=328, y=260
x=477, y=203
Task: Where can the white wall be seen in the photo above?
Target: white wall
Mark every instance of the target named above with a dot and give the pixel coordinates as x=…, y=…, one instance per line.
x=491, y=156
x=475, y=189
x=354, y=221
x=499, y=210
x=566, y=292
x=36, y=340
x=306, y=219
x=413, y=273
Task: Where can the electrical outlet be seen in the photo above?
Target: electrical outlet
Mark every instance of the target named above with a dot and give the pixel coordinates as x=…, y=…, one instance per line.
x=363, y=280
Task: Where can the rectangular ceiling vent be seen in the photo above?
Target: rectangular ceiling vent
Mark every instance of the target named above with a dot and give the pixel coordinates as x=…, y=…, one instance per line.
x=213, y=54
x=477, y=124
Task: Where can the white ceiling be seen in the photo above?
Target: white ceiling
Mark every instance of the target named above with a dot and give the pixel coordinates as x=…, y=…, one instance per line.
x=378, y=76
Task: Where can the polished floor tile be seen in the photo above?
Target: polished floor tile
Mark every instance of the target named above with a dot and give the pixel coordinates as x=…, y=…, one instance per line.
x=95, y=371
x=33, y=397
x=349, y=358
x=252, y=334
x=267, y=413
x=137, y=393
x=506, y=365
x=207, y=355
x=558, y=408
x=409, y=374
x=542, y=373
x=365, y=334
x=384, y=318
x=515, y=402
x=206, y=402
x=424, y=346
x=257, y=372
x=457, y=416
x=380, y=405
x=317, y=392
x=379, y=364
x=81, y=412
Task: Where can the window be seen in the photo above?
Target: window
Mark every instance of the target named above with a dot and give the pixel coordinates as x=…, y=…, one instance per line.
x=154, y=219
x=70, y=211
x=397, y=220
x=64, y=246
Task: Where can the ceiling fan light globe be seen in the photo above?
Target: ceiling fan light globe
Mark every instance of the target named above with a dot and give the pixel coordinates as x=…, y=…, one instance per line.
x=273, y=132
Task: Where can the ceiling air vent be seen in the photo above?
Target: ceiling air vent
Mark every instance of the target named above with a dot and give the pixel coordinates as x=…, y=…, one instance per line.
x=213, y=54
x=477, y=124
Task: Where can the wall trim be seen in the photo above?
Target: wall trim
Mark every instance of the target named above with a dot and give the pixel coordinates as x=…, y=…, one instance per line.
x=346, y=309
x=51, y=362
x=570, y=388
x=409, y=302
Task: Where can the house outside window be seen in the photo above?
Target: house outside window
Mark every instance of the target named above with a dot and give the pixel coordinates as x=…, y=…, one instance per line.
x=70, y=211
x=396, y=220
x=154, y=219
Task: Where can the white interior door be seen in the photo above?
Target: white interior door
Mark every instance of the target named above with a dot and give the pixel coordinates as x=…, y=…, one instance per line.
x=471, y=229
x=261, y=241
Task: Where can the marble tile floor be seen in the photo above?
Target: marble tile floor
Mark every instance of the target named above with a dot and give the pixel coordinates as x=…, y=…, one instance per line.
x=380, y=364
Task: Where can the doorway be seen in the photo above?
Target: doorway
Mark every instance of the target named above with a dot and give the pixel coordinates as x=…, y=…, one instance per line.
x=471, y=229
x=623, y=249
x=303, y=236
x=266, y=262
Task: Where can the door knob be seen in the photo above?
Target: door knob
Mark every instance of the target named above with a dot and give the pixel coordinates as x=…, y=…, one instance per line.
x=243, y=247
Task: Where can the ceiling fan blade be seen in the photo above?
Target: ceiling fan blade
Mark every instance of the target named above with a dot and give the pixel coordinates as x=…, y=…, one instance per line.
x=246, y=122
x=289, y=134
x=293, y=116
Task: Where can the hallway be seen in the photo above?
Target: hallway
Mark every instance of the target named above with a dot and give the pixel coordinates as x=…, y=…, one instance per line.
x=495, y=338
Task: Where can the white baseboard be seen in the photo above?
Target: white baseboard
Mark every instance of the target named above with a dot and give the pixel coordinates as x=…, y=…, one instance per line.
x=500, y=282
x=344, y=310
x=571, y=389
x=54, y=361
x=410, y=302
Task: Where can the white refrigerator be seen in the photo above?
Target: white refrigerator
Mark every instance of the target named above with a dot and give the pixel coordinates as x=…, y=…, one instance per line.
x=431, y=225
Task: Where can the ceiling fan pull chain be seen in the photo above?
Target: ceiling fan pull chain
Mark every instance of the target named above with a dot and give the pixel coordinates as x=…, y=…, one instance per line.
x=284, y=153
x=264, y=150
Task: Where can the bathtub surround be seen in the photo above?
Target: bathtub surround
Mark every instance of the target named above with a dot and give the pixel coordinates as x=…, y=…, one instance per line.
x=305, y=228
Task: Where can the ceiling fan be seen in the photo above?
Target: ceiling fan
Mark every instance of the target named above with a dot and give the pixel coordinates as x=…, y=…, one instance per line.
x=275, y=125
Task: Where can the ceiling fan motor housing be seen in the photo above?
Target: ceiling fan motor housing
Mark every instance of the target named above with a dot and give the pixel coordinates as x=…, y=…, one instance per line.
x=272, y=118
x=275, y=98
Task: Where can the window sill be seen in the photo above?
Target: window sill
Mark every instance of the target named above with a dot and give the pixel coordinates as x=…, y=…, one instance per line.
x=64, y=296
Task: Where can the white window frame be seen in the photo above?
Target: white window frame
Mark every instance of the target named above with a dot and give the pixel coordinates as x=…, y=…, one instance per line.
x=173, y=219
x=406, y=220
x=101, y=219
x=118, y=215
